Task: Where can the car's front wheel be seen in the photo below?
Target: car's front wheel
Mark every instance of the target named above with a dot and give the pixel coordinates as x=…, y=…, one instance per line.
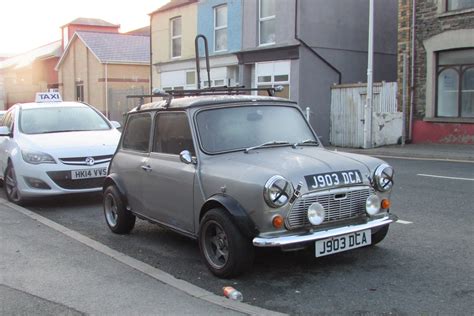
x=227, y=253
x=10, y=185
x=118, y=218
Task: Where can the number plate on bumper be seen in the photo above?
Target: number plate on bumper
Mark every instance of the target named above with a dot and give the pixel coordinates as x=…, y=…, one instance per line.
x=89, y=173
x=341, y=243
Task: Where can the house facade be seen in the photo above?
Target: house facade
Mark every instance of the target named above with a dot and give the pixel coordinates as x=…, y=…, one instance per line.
x=102, y=69
x=25, y=74
x=437, y=38
x=305, y=46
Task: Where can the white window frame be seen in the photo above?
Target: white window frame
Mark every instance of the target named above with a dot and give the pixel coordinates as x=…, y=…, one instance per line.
x=217, y=28
x=175, y=37
x=272, y=74
x=260, y=20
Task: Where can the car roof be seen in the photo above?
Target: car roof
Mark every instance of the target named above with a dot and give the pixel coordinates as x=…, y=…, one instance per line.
x=36, y=105
x=197, y=101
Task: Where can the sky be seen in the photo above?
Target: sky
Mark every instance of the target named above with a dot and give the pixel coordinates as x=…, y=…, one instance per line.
x=27, y=24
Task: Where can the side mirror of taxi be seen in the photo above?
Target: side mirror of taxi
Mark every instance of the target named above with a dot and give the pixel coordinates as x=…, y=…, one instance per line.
x=115, y=124
x=5, y=131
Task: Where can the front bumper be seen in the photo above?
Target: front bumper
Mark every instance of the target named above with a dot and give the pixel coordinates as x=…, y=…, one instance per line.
x=313, y=236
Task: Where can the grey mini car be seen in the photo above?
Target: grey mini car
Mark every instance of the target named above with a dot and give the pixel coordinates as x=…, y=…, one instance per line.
x=240, y=171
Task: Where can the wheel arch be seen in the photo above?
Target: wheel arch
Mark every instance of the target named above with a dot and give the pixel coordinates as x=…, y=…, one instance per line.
x=236, y=212
x=113, y=179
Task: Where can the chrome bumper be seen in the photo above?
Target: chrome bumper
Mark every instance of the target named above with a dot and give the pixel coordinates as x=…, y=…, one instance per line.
x=312, y=236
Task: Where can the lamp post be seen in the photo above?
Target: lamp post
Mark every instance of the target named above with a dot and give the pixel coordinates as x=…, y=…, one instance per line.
x=370, y=83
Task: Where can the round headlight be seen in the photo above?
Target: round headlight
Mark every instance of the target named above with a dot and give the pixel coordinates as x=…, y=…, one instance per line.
x=383, y=178
x=316, y=214
x=372, y=204
x=277, y=192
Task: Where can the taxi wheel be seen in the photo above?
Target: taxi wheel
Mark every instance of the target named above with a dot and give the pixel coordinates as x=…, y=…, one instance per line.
x=118, y=218
x=226, y=252
x=10, y=186
x=379, y=235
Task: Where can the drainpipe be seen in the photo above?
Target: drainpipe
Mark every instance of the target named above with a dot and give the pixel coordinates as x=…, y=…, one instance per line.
x=412, y=79
x=106, y=91
x=151, y=61
x=302, y=42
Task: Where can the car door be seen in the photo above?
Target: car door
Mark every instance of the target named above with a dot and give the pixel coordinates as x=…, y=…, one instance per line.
x=168, y=185
x=131, y=159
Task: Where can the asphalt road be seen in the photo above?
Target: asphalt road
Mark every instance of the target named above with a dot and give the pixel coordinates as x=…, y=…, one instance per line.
x=424, y=266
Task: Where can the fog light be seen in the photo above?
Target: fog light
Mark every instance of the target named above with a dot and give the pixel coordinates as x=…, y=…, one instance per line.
x=385, y=204
x=277, y=221
x=316, y=214
x=37, y=183
x=372, y=205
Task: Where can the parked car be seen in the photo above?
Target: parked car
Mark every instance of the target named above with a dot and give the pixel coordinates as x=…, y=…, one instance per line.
x=51, y=148
x=238, y=172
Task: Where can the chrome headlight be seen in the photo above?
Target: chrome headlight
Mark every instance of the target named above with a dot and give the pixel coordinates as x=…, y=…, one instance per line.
x=383, y=178
x=277, y=192
x=36, y=157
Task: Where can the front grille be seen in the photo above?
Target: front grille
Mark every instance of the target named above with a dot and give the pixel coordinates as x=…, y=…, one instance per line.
x=340, y=204
x=81, y=161
x=63, y=179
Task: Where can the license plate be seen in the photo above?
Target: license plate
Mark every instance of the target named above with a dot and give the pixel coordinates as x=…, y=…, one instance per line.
x=333, y=179
x=342, y=243
x=89, y=173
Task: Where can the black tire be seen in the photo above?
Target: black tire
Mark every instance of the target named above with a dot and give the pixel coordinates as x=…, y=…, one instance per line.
x=379, y=235
x=225, y=250
x=10, y=185
x=118, y=218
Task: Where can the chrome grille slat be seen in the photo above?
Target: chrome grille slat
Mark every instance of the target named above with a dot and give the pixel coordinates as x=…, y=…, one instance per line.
x=351, y=206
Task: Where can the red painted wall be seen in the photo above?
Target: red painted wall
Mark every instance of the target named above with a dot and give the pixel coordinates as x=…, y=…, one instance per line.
x=442, y=133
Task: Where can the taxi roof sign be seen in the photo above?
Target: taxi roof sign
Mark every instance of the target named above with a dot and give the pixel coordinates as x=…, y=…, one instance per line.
x=42, y=97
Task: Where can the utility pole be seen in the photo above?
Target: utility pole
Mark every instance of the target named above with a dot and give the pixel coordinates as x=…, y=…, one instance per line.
x=370, y=83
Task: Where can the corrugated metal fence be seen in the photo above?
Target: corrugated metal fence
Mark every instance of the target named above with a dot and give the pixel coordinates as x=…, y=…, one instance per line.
x=347, y=115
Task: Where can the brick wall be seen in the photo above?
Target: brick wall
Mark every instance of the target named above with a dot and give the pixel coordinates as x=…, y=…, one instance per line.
x=431, y=20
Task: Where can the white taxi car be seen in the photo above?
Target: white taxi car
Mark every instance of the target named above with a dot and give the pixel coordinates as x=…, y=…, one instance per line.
x=51, y=147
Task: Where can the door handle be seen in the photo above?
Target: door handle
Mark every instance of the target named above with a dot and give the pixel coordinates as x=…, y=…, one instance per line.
x=146, y=168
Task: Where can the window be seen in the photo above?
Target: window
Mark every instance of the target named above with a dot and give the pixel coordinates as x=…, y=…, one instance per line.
x=236, y=128
x=455, y=83
x=176, y=37
x=190, y=79
x=452, y=5
x=266, y=22
x=80, y=92
x=172, y=134
x=220, y=28
x=273, y=74
x=137, y=133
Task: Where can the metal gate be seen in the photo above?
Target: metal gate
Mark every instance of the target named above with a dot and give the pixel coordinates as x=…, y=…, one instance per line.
x=119, y=104
x=347, y=115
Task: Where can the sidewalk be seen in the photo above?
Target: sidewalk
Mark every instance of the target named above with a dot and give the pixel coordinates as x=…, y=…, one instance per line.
x=47, y=269
x=423, y=151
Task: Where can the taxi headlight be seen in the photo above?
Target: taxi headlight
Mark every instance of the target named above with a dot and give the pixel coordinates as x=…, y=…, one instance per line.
x=36, y=157
x=383, y=178
x=277, y=191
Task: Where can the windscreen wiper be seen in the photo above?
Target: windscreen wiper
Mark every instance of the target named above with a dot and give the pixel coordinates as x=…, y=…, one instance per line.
x=267, y=144
x=307, y=142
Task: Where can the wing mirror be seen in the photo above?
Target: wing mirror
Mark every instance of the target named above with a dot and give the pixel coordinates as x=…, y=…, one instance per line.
x=186, y=157
x=115, y=124
x=5, y=131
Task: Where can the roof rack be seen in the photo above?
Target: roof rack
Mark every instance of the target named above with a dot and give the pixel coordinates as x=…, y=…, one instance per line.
x=169, y=94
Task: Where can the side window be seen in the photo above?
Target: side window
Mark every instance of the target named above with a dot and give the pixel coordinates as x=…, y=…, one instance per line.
x=172, y=133
x=137, y=133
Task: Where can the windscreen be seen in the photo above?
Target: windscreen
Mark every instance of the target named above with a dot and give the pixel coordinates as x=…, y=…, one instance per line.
x=237, y=128
x=60, y=119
